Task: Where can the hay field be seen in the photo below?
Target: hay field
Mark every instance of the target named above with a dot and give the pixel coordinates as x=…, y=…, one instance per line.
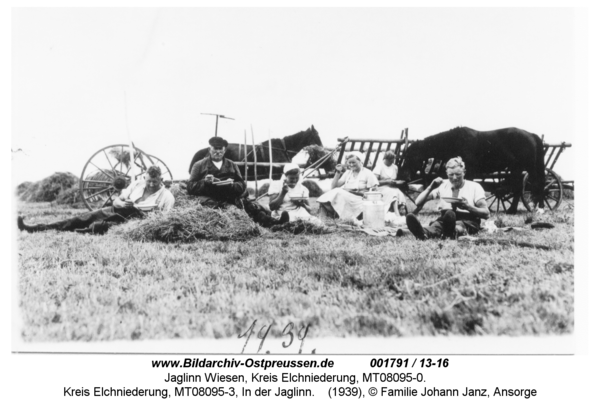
x=85, y=288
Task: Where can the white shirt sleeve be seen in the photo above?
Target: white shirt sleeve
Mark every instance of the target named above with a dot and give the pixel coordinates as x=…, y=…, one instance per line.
x=377, y=170
x=371, y=179
x=274, y=187
x=167, y=202
x=125, y=193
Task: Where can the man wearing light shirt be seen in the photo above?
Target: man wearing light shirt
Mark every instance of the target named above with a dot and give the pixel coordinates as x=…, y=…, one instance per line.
x=148, y=194
x=461, y=214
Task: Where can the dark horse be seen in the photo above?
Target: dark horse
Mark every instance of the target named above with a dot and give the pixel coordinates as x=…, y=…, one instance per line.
x=284, y=149
x=509, y=150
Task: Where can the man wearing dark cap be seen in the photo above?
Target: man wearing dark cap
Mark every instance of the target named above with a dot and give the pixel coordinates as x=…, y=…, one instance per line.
x=145, y=194
x=218, y=183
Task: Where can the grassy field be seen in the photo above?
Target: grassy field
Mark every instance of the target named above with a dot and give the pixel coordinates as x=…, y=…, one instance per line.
x=85, y=288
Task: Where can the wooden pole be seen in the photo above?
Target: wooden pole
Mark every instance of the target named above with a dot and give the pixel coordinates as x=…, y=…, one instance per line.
x=255, y=172
x=245, y=159
x=270, y=158
x=131, y=148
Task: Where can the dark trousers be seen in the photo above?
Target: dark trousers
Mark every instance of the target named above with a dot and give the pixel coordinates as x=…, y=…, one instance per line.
x=101, y=219
x=469, y=223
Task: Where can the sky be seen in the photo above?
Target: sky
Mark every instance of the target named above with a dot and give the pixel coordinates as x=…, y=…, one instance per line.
x=83, y=79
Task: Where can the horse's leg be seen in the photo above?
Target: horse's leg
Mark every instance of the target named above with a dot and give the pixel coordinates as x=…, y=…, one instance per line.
x=515, y=177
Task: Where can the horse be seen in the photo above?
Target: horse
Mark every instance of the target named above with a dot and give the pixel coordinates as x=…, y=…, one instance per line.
x=283, y=150
x=509, y=150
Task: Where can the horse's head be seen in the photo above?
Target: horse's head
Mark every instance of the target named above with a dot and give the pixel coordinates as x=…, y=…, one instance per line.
x=312, y=136
x=316, y=152
x=295, y=143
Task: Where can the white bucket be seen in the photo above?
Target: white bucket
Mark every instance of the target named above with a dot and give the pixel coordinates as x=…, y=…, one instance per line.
x=373, y=214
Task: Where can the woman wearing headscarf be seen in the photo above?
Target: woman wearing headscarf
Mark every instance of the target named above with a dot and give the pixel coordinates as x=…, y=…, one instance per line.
x=289, y=195
x=348, y=186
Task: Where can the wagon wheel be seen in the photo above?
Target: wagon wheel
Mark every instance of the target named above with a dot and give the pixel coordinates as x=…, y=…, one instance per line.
x=553, y=191
x=108, y=172
x=501, y=193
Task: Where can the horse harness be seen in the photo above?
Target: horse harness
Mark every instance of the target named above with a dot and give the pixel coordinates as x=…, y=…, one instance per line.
x=260, y=151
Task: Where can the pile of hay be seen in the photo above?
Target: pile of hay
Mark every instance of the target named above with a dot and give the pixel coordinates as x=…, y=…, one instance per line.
x=48, y=189
x=69, y=196
x=189, y=222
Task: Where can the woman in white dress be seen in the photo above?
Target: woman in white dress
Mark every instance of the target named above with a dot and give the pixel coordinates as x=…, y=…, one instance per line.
x=288, y=194
x=387, y=172
x=346, y=195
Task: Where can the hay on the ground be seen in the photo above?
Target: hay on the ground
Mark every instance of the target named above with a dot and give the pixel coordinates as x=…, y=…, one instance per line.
x=48, y=189
x=190, y=224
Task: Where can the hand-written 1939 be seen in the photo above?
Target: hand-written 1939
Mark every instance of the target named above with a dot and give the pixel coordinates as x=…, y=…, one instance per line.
x=288, y=331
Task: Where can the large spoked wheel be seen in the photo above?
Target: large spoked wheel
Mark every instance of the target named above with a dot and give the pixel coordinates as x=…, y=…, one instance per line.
x=553, y=191
x=109, y=171
x=501, y=193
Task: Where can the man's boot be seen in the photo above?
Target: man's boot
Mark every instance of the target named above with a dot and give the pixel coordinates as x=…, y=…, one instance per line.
x=267, y=221
x=70, y=224
x=29, y=228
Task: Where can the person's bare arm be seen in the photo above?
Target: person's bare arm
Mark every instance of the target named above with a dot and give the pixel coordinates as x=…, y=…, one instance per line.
x=426, y=194
x=275, y=201
x=384, y=182
x=336, y=177
x=480, y=209
x=122, y=203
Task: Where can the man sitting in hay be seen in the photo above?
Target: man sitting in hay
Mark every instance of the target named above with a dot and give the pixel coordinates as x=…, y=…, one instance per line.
x=217, y=182
x=461, y=205
x=146, y=194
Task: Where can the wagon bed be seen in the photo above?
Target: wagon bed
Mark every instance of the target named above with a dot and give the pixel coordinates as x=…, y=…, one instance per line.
x=498, y=194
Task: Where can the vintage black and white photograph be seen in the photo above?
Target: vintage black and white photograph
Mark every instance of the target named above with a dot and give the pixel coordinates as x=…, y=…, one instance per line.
x=263, y=179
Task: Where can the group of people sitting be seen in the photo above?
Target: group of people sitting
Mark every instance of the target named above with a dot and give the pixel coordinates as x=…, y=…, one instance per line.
x=218, y=183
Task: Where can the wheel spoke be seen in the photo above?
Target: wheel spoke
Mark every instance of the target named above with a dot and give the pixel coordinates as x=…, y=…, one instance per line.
x=109, y=198
x=503, y=206
x=121, y=160
x=102, y=170
x=112, y=168
x=98, y=193
x=97, y=182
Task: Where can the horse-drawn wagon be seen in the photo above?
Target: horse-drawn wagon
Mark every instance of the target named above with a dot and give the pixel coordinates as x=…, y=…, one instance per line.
x=499, y=185
x=114, y=167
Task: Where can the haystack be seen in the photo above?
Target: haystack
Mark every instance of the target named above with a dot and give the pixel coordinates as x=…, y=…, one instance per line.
x=189, y=222
x=48, y=189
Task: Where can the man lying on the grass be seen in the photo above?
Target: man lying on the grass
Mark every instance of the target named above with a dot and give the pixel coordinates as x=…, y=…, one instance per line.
x=218, y=183
x=148, y=193
x=461, y=205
